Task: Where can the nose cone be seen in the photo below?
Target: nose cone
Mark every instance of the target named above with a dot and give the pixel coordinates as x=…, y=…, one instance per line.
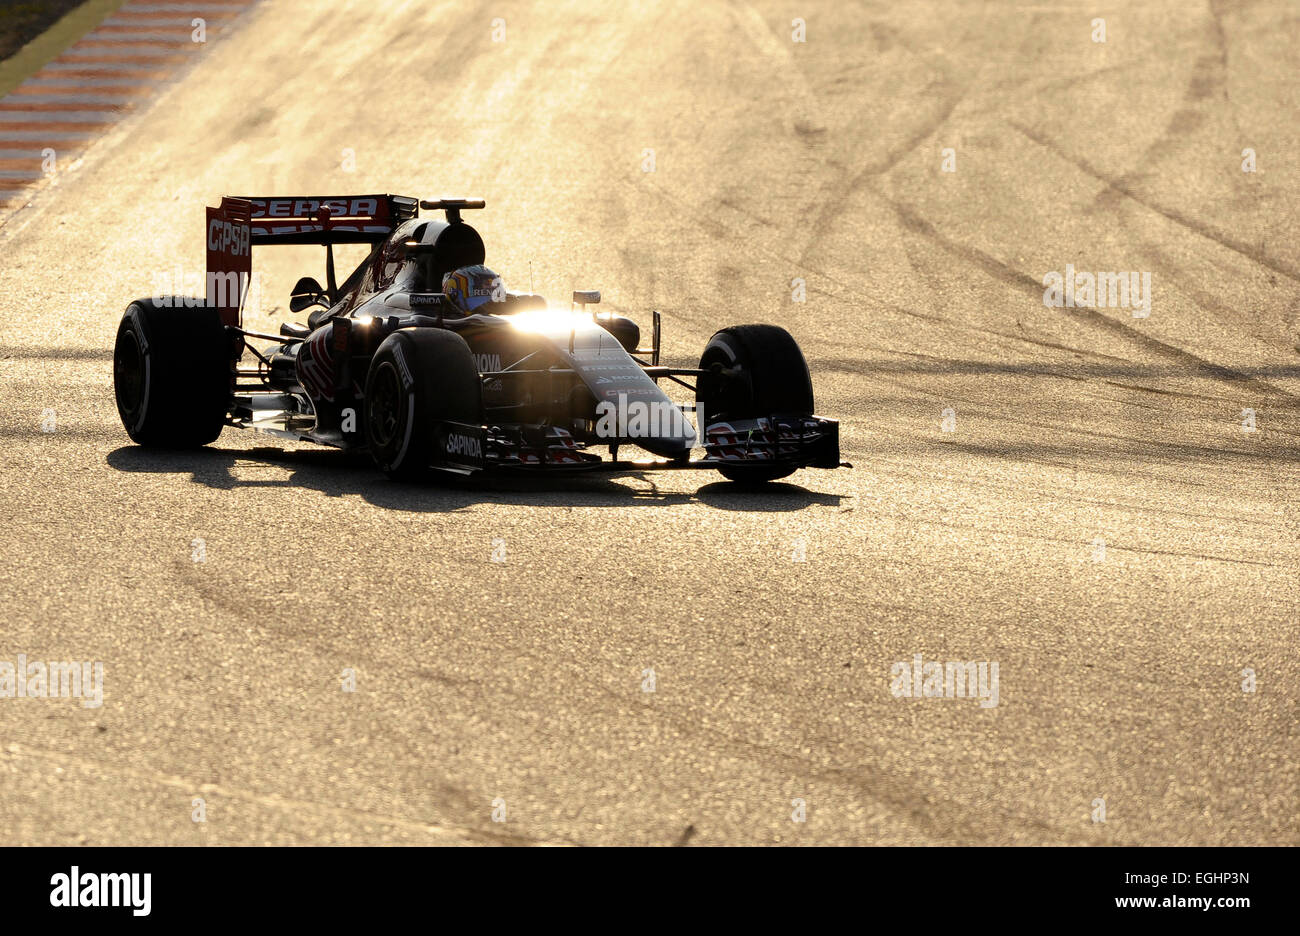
x=674, y=443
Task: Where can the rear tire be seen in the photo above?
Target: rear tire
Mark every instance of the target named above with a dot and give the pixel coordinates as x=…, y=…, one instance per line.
x=773, y=380
x=172, y=373
x=417, y=377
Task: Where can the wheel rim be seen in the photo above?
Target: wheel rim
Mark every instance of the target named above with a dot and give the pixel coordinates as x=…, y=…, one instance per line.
x=724, y=397
x=128, y=373
x=383, y=407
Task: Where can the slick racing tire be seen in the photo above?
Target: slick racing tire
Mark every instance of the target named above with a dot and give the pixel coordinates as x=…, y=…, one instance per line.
x=418, y=377
x=770, y=378
x=172, y=373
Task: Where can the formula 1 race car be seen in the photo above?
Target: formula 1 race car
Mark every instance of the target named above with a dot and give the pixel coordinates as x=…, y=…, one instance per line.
x=423, y=358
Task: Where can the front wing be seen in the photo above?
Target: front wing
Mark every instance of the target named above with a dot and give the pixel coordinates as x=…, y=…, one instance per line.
x=795, y=441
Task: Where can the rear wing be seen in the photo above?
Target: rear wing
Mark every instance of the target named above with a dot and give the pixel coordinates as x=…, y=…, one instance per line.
x=238, y=223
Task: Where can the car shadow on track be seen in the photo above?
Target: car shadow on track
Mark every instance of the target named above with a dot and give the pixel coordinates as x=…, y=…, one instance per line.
x=336, y=474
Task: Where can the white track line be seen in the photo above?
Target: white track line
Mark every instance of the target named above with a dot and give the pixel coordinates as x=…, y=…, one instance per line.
x=17, y=116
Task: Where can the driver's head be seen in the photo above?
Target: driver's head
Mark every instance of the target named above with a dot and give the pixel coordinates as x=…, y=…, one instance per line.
x=469, y=287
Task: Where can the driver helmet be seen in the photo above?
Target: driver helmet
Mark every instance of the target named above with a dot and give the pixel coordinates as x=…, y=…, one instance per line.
x=471, y=286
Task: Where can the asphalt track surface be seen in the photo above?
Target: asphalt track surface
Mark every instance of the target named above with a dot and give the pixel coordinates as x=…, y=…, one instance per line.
x=1098, y=523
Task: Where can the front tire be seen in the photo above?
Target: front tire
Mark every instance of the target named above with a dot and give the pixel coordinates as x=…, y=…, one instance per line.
x=418, y=377
x=172, y=373
x=769, y=377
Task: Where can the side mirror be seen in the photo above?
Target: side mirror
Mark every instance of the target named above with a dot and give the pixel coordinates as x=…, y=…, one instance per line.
x=307, y=293
x=584, y=298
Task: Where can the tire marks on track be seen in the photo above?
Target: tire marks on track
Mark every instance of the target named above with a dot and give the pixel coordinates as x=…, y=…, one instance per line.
x=1123, y=187
x=1023, y=281
x=436, y=834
